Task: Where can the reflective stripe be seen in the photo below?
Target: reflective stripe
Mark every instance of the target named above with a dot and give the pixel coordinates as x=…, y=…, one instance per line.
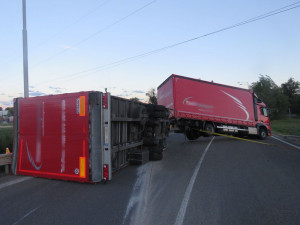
x=82, y=167
x=82, y=106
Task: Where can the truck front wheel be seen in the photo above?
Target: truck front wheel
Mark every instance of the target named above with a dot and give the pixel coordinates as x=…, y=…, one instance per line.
x=210, y=128
x=262, y=133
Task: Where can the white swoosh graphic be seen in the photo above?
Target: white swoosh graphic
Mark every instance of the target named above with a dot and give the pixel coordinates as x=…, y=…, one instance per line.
x=31, y=160
x=239, y=103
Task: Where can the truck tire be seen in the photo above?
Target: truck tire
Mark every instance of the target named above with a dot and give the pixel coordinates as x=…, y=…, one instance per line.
x=210, y=128
x=262, y=133
x=192, y=135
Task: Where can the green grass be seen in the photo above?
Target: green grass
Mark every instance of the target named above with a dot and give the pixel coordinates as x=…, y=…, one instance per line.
x=6, y=138
x=6, y=125
x=287, y=126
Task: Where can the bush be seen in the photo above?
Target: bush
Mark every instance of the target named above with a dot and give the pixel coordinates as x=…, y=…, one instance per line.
x=6, y=139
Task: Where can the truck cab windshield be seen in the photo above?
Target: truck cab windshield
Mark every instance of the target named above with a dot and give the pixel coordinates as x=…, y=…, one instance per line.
x=264, y=111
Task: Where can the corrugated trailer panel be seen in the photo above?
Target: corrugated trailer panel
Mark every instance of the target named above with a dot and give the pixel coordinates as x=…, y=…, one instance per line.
x=53, y=138
x=198, y=99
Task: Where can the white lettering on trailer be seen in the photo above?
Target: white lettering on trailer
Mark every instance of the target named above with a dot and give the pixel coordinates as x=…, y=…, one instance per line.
x=63, y=136
x=201, y=107
x=38, y=136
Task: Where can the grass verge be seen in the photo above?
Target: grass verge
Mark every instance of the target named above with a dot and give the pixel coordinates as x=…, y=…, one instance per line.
x=287, y=126
x=6, y=138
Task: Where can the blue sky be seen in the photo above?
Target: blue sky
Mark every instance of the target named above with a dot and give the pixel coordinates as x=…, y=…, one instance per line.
x=71, y=36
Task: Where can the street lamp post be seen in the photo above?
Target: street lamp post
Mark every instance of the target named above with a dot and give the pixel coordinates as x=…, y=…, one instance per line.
x=25, y=53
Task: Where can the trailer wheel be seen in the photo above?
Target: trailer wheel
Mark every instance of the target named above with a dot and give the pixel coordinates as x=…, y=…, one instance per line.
x=192, y=135
x=262, y=133
x=210, y=128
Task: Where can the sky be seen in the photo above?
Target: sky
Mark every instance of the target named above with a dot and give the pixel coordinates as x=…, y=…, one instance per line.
x=76, y=45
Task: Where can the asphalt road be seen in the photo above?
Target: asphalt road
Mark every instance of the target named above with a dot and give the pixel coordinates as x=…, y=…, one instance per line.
x=208, y=181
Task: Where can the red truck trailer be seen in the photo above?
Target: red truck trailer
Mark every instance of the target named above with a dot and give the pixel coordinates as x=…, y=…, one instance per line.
x=200, y=105
x=85, y=136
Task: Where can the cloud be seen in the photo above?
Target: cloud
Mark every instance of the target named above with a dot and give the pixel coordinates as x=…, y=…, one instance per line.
x=138, y=91
x=123, y=95
x=57, y=90
x=69, y=47
x=6, y=103
x=54, y=88
x=36, y=93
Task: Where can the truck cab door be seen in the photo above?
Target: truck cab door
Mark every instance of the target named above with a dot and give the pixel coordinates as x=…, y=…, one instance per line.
x=263, y=115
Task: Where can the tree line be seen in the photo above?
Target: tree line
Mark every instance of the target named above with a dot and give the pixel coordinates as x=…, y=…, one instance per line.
x=281, y=100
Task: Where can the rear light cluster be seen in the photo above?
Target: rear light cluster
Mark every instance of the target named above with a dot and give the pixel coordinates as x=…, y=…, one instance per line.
x=104, y=101
x=105, y=172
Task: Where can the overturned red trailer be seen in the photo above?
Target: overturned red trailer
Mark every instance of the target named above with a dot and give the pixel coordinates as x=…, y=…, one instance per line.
x=85, y=136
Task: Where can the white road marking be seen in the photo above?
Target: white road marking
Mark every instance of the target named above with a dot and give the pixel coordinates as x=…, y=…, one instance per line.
x=278, y=139
x=27, y=214
x=19, y=180
x=185, y=201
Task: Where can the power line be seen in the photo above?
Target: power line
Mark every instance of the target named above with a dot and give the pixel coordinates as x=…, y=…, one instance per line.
x=96, y=33
x=62, y=30
x=75, y=22
x=136, y=57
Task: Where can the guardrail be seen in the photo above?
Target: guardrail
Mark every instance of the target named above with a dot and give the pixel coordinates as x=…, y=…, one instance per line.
x=6, y=160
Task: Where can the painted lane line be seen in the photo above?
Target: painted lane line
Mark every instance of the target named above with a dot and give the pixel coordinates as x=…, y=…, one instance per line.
x=278, y=139
x=26, y=215
x=9, y=183
x=185, y=201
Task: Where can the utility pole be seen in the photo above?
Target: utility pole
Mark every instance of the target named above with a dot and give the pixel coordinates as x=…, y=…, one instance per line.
x=25, y=53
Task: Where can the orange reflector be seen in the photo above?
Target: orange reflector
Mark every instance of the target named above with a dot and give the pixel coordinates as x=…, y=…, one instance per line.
x=82, y=106
x=82, y=167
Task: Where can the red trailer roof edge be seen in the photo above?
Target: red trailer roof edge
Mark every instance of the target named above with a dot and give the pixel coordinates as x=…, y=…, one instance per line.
x=203, y=81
